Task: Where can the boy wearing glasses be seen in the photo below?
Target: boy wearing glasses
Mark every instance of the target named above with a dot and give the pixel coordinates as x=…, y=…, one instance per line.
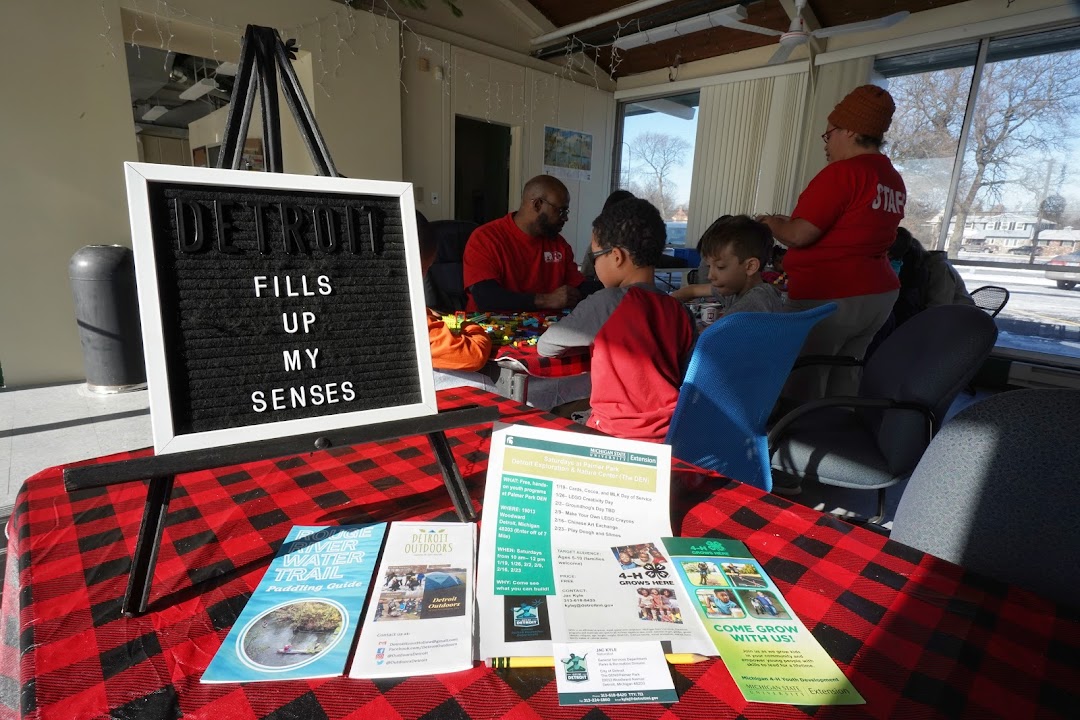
x=640, y=338
x=735, y=249
x=520, y=261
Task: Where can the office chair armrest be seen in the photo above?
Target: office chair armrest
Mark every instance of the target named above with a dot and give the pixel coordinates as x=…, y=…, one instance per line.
x=836, y=360
x=785, y=422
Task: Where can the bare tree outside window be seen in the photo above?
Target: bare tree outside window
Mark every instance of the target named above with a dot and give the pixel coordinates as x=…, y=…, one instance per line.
x=1022, y=121
x=655, y=156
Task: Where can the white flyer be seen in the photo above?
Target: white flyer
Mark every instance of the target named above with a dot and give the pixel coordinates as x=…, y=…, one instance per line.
x=611, y=673
x=548, y=488
x=420, y=618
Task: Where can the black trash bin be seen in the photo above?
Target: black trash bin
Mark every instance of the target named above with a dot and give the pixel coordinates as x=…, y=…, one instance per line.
x=107, y=313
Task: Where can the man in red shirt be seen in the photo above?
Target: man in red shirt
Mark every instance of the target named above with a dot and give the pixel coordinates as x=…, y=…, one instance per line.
x=838, y=238
x=520, y=261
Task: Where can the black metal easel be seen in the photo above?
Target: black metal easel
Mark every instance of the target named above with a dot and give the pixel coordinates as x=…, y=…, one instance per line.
x=264, y=54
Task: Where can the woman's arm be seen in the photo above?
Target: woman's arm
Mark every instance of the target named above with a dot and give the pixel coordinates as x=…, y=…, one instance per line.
x=792, y=232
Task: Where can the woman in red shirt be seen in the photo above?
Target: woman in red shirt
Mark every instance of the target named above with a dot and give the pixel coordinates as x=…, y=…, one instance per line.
x=838, y=239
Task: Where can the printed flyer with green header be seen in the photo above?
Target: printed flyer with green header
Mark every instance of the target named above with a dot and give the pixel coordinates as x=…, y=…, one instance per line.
x=552, y=487
x=770, y=654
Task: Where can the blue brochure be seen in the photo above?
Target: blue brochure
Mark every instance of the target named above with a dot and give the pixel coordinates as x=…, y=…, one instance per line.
x=301, y=619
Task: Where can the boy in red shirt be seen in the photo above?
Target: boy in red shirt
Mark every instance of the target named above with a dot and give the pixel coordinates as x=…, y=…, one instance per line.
x=640, y=338
x=470, y=348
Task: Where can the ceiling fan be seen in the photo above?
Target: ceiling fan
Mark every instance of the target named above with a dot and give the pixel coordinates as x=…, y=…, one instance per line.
x=797, y=34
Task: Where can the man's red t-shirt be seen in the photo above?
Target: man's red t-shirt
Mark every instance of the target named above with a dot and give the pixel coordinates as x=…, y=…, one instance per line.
x=522, y=263
x=857, y=204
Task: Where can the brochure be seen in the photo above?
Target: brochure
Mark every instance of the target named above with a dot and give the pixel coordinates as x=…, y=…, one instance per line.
x=550, y=488
x=300, y=621
x=770, y=654
x=420, y=619
x=698, y=592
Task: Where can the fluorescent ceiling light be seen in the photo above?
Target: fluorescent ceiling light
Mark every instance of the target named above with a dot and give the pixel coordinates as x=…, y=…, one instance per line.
x=199, y=89
x=683, y=27
x=227, y=68
x=615, y=14
x=154, y=113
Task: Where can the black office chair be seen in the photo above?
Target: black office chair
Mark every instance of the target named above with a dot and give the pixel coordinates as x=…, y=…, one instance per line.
x=444, y=286
x=991, y=298
x=874, y=440
x=997, y=493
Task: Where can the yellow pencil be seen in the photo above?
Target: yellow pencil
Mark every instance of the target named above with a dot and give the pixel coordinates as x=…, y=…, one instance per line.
x=539, y=661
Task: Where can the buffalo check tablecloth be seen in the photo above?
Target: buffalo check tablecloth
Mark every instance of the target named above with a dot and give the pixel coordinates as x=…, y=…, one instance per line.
x=917, y=636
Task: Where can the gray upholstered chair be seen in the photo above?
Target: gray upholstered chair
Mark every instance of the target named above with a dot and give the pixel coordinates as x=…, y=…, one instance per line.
x=874, y=440
x=998, y=492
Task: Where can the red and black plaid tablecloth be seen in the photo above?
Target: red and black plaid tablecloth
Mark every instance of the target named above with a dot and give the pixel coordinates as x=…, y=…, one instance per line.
x=532, y=363
x=918, y=637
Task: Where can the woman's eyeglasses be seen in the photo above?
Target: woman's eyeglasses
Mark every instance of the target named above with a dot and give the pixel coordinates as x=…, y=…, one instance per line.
x=827, y=134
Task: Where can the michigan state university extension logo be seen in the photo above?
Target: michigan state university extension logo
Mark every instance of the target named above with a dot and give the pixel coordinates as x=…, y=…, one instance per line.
x=575, y=668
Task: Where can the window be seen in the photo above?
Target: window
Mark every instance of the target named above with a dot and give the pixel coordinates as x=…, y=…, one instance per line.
x=656, y=156
x=982, y=136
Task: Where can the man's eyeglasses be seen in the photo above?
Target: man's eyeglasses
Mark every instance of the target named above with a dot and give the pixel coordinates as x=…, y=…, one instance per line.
x=827, y=134
x=597, y=253
x=564, y=212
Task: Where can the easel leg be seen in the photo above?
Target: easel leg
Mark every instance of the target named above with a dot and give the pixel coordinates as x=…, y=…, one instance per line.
x=146, y=546
x=455, y=484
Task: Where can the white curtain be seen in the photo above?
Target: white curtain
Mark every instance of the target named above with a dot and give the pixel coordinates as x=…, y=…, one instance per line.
x=745, y=158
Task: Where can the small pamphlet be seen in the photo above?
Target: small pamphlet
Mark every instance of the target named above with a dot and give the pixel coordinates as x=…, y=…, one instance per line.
x=610, y=673
x=420, y=618
x=300, y=621
x=549, y=488
x=771, y=655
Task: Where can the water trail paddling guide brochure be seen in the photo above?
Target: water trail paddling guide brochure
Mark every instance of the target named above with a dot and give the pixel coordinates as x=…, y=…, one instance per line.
x=549, y=488
x=301, y=619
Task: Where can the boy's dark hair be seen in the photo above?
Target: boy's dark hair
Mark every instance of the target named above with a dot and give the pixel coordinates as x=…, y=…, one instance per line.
x=634, y=225
x=617, y=196
x=746, y=237
x=429, y=245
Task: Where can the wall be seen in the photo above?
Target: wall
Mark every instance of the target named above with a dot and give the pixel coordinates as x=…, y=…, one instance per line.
x=498, y=91
x=66, y=134
x=65, y=129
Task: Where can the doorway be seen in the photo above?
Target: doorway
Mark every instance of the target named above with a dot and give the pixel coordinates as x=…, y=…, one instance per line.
x=481, y=170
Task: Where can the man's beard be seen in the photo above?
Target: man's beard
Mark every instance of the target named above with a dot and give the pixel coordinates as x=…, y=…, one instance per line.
x=548, y=228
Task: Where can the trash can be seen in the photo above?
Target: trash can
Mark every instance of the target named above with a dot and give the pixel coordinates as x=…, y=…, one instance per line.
x=107, y=314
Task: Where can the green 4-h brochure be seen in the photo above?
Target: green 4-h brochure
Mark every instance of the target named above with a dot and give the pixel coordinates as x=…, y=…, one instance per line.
x=770, y=654
x=301, y=619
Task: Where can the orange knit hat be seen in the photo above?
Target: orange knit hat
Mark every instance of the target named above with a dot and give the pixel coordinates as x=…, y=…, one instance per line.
x=866, y=110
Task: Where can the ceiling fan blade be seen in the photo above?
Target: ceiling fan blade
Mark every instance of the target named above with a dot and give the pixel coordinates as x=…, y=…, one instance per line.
x=734, y=20
x=781, y=55
x=865, y=25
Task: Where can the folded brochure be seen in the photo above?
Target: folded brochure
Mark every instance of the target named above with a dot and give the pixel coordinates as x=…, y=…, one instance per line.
x=301, y=619
x=420, y=618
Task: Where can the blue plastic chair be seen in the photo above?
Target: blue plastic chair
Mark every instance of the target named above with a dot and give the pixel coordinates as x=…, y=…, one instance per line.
x=738, y=368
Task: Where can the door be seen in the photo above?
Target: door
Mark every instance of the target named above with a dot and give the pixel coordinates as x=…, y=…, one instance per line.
x=481, y=170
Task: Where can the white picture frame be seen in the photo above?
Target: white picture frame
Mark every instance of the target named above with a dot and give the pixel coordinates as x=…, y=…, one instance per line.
x=138, y=177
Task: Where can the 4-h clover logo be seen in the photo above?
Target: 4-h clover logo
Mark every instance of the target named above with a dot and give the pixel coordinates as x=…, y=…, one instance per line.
x=656, y=570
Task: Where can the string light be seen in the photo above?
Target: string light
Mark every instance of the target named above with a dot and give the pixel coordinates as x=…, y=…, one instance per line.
x=577, y=53
x=107, y=34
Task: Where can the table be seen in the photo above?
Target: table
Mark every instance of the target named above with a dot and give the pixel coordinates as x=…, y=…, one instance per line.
x=918, y=637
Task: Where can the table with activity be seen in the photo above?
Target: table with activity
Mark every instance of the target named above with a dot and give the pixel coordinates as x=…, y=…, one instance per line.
x=918, y=637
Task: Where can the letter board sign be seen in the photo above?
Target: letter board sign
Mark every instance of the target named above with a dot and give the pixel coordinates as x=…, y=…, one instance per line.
x=276, y=305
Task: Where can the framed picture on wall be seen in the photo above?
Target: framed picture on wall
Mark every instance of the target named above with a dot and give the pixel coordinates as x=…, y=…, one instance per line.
x=567, y=153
